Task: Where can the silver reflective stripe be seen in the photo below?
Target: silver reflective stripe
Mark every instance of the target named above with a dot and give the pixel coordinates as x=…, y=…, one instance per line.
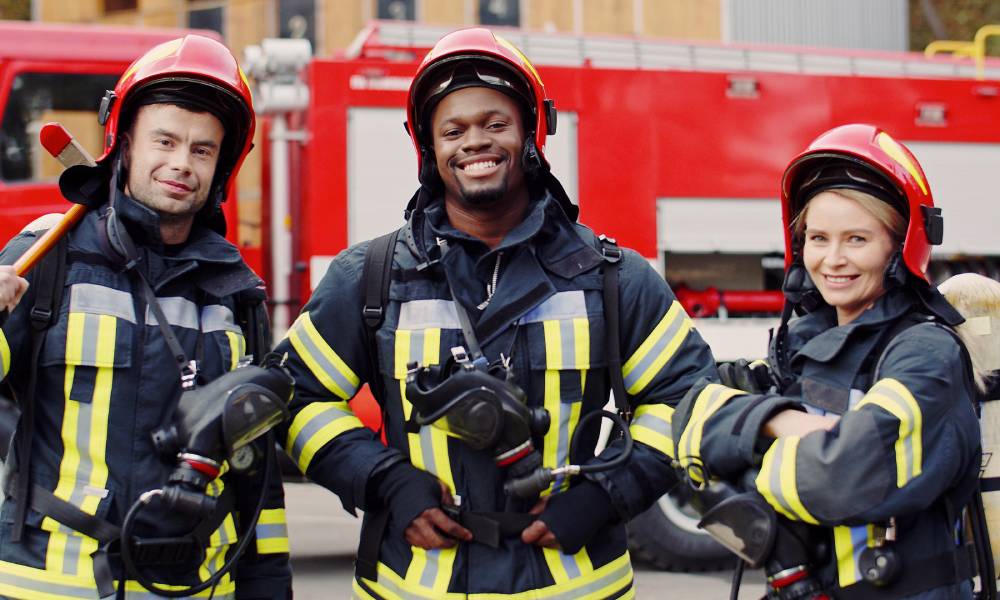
x=48, y=587
x=101, y=300
x=775, y=479
x=654, y=353
x=324, y=363
x=71, y=556
x=179, y=312
x=428, y=314
x=88, y=349
x=572, y=569
x=271, y=531
x=656, y=424
x=561, y=305
x=216, y=317
x=319, y=420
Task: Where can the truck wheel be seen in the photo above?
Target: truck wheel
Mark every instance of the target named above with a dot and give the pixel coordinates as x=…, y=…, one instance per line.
x=667, y=536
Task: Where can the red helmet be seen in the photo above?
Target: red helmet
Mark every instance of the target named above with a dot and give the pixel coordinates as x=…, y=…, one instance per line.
x=196, y=72
x=477, y=57
x=866, y=158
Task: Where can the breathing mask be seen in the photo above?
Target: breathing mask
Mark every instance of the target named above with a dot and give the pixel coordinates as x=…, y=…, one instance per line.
x=487, y=411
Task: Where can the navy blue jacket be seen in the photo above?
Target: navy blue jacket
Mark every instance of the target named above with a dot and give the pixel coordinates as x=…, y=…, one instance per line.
x=547, y=317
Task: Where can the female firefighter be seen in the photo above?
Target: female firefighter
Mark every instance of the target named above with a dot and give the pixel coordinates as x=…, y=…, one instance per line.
x=868, y=433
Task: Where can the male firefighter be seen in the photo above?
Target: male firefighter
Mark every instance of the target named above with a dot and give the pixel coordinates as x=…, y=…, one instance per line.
x=151, y=300
x=494, y=313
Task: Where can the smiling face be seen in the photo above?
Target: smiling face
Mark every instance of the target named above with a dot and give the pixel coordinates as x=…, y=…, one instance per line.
x=171, y=154
x=478, y=135
x=845, y=250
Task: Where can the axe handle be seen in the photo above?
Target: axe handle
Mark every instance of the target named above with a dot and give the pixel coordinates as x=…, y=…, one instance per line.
x=60, y=144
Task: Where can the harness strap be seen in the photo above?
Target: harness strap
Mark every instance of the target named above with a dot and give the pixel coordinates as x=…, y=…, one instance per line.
x=922, y=575
x=490, y=528
x=612, y=256
x=372, y=531
x=49, y=281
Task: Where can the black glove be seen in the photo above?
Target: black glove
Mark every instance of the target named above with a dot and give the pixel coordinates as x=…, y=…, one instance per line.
x=576, y=515
x=407, y=491
x=753, y=377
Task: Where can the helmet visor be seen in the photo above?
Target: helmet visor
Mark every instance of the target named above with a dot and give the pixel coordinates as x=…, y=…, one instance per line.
x=458, y=72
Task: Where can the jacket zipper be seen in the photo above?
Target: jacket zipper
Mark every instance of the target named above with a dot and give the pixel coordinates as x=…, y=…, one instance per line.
x=491, y=288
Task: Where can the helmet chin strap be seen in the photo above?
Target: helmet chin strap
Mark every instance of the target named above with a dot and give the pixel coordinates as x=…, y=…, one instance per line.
x=895, y=271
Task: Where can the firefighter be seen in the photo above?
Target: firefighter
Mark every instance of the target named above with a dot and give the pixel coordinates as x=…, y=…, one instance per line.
x=495, y=301
x=869, y=432
x=154, y=300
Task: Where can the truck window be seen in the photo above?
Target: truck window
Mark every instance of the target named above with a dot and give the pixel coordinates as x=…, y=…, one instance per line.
x=37, y=98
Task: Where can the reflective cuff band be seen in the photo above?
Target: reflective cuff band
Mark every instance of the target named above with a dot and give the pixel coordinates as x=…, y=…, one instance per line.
x=272, y=532
x=708, y=402
x=652, y=426
x=776, y=480
x=314, y=426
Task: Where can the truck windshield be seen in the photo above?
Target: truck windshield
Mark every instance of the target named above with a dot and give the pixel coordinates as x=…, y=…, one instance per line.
x=37, y=98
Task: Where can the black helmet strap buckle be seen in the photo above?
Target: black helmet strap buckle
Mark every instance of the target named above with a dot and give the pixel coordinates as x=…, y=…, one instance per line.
x=107, y=103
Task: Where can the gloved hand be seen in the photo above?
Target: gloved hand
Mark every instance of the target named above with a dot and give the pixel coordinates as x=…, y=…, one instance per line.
x=414, y=498
x=753, y=377
x=573, y=517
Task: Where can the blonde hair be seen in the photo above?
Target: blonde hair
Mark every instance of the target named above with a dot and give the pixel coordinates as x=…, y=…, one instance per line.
x=880, y=209
x=977, y=298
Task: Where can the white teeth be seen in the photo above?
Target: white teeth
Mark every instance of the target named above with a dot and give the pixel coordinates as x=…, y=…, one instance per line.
x=833, y=279
x=479, y=166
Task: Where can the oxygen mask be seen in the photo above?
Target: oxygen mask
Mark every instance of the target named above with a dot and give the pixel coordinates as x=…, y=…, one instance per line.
x=483, y=408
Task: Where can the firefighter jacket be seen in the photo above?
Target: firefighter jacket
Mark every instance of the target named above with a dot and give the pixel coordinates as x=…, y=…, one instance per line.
x=106, y=379
x=906, y=447
x=546, y=318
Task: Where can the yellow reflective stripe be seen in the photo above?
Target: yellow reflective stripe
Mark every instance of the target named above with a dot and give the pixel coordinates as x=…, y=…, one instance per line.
x=652, y=426
x=597, y=584
x=4, y=355
x=272, y=532
x=658, y=348
x=553, y=345
x=893, y=397
x=431, y=569
x=553, y=404
x=226, y=590
x=325, y=365
x=776, y=480
x=689, y=446
x=843, y=546
x=314, y=426
x=237, y=348
x=359, y=592
x=19, y=581
x=218, y=544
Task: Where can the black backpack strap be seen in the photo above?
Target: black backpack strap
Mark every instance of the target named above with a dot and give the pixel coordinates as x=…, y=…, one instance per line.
x=48, y=282
x=376, y=277
x=612, y=318
x=251, y=316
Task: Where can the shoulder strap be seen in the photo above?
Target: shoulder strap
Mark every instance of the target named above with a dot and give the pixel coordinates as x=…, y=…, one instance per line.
x=612, y=318
x=376, y=276
x=50, y=277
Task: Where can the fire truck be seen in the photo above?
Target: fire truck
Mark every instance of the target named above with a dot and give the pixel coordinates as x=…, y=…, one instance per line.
x=673, y=148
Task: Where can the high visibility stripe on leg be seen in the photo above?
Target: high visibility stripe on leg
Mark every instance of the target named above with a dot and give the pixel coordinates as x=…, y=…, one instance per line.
x=711, y=399
x=428, y=447
x=83, y=471
x=651, y=425
x=657, y=349
x=776, y=480
x=325, y=365
x=893, y=397
x=272, y=532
